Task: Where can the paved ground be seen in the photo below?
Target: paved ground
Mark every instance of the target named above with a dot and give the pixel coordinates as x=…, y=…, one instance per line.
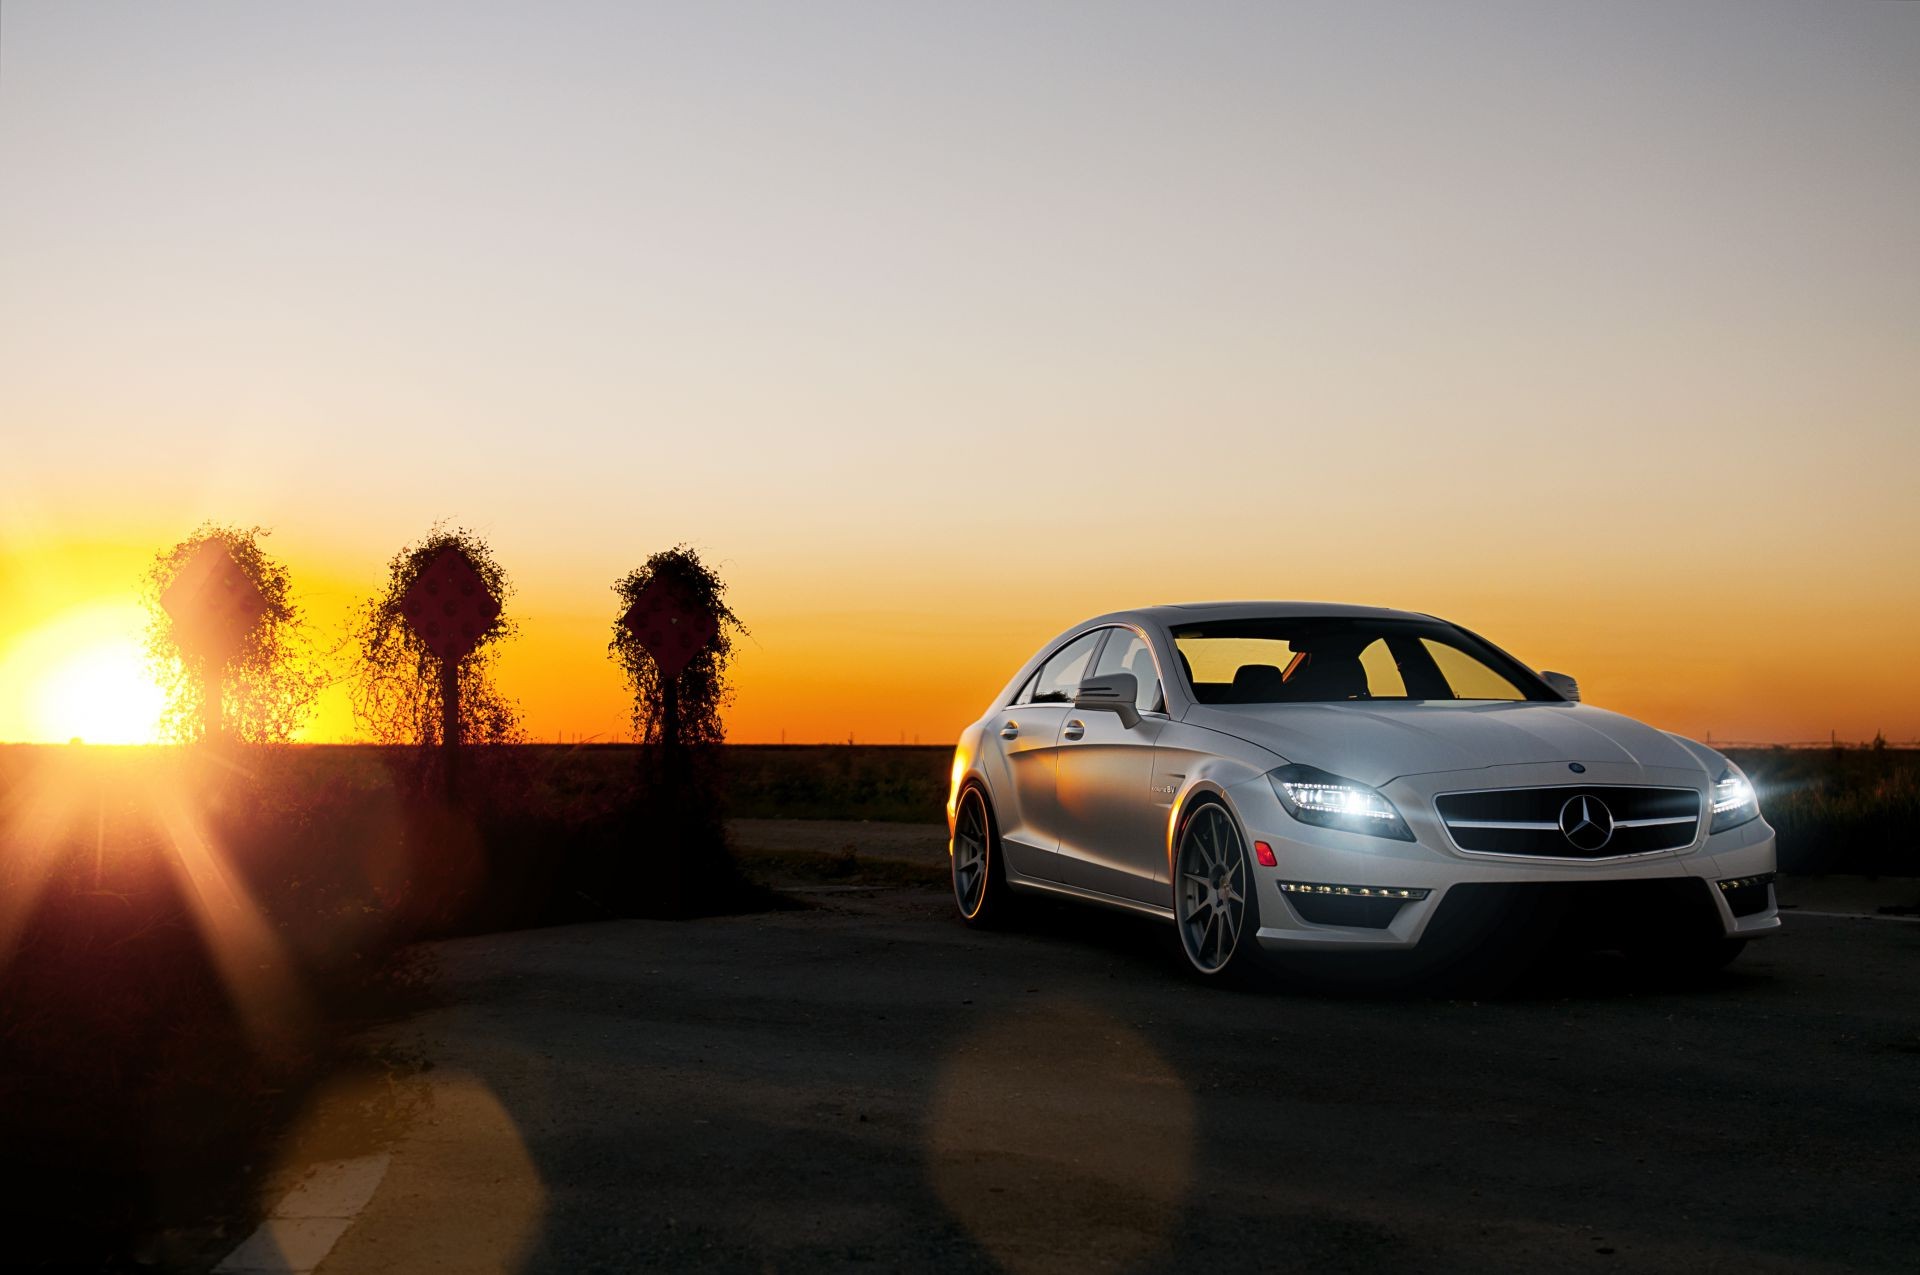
x=865, y=1082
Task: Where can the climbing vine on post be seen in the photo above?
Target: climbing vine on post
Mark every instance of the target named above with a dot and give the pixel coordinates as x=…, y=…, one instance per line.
x=698, y=692
x=399, y=683
x=226, y=642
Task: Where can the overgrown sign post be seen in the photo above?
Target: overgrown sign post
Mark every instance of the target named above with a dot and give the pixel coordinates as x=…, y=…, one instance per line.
x=674, y=631
x=451, y=608
x=213, y=606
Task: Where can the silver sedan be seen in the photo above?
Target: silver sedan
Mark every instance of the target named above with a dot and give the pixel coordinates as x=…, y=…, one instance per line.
x=1285, y=776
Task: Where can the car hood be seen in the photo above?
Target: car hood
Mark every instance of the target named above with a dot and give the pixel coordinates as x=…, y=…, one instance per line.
x=1381, y=741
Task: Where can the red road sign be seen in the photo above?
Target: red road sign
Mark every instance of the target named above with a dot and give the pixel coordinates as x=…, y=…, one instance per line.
x=213, y=603
x=672, y=630
x=449, y=606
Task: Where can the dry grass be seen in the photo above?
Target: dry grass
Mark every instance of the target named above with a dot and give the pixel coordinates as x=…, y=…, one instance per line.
x=1853, y=810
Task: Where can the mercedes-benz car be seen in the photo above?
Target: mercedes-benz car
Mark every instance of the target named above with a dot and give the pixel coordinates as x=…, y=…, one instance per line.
x=1280, y=777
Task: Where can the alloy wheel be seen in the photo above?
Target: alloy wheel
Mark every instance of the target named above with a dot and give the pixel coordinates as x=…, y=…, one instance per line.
x=1212, y=893
x=970, y=854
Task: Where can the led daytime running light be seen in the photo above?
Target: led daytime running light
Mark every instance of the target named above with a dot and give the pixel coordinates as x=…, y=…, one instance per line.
x=1328, y=801
x=1734, y=801
x=1338, y=799
x=1731, y=793
x=1354, y=891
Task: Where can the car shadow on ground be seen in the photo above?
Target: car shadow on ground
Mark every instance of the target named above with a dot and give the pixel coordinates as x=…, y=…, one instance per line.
x=1517, y=966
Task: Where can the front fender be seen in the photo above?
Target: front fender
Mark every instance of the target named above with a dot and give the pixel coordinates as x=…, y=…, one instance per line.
x=1210, y=779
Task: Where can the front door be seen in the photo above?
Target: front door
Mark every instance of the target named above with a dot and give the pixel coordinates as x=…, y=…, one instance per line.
x=1112, y=834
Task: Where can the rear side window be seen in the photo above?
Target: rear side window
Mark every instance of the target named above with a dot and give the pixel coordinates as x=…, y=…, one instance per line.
x=1064, y=670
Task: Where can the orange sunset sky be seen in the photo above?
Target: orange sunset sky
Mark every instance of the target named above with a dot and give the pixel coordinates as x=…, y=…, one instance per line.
x=937, y=328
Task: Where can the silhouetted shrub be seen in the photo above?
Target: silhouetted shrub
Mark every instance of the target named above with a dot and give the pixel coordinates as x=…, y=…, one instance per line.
x=272, y=676
x=396, y=682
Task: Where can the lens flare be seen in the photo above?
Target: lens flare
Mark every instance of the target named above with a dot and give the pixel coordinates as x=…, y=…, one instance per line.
x=1058, y=1130
x=83, y=675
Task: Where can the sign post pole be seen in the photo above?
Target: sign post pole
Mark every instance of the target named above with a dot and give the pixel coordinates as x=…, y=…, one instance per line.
x=450, y=726
x=451, y=608
x=670, y=711
x=210, y=700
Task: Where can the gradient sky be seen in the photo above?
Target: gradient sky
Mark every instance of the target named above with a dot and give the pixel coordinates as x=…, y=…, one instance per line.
x=938, y=328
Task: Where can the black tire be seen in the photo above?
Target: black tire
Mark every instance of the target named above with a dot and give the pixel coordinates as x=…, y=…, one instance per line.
x=1216, y=904
x=979, y=879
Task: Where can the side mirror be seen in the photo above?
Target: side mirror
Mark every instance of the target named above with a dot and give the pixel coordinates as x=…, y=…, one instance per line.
x=1111, y=693
x=1563, y=686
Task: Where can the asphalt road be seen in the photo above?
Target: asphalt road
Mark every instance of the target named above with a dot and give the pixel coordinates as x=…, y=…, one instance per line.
x=866, y=1082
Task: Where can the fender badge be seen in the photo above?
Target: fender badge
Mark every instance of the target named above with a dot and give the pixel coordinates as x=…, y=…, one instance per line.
x=1576, y=768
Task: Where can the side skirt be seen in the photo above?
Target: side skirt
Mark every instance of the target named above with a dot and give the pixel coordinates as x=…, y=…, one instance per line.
x=1092, y=896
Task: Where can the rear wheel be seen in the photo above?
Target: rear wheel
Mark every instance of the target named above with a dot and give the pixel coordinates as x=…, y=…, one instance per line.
x=979, y=881
x=1214, y=905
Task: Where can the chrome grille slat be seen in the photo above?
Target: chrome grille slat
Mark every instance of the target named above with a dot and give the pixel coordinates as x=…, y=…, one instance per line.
x=1502, y=823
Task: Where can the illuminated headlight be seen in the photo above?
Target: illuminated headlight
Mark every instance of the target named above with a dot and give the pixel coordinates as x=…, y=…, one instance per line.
x=1734, y=802
x=1314, y=796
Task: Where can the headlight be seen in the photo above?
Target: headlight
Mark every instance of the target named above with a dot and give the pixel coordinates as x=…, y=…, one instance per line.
x=1734, y=802
x=1314, y=796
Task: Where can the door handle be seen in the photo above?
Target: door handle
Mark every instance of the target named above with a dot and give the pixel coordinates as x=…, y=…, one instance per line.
x=1010, y=731
x=1075, y=729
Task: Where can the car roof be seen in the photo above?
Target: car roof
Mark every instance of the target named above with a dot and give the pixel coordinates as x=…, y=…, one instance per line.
x=1175, y=615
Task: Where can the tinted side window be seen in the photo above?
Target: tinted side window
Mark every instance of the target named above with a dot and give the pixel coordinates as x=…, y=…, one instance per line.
x=1127, y=652
x=1061, y=675
x=1383, y=671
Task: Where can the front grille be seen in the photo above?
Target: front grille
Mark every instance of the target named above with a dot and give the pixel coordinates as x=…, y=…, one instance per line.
x=1529, y=821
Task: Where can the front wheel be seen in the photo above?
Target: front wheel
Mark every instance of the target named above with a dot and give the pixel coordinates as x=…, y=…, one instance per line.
x=979, y=882
x=1214, y=904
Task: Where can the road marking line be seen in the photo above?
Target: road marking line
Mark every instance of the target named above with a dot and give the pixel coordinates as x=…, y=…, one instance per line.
x=1851, y=916
x=310, y=1219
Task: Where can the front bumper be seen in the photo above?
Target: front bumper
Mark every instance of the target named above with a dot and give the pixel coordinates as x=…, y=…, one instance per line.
x=1351, y=915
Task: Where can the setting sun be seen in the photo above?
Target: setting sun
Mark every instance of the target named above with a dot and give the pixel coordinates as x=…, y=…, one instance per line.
x=85, y=673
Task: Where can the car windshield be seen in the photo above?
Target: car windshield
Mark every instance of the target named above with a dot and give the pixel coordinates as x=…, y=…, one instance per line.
x=1318, y=660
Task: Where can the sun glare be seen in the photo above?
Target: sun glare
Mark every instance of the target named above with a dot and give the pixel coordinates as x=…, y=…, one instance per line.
x=83, y=675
